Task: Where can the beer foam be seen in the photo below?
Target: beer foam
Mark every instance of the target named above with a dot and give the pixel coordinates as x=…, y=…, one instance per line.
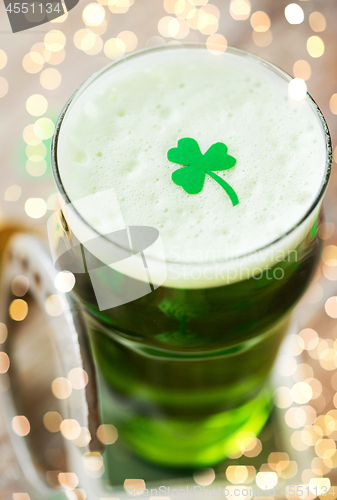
x=118, y=129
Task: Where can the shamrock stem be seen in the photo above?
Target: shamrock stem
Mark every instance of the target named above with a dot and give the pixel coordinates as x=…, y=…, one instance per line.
x=229, y=190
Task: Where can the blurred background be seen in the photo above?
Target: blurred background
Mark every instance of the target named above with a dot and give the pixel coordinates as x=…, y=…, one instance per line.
x=39, y=70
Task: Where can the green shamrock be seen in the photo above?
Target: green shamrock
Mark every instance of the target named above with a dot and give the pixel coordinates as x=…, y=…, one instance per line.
x=196, y=165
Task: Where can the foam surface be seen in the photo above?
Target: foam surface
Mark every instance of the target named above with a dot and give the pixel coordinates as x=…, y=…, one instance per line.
x=118, y=131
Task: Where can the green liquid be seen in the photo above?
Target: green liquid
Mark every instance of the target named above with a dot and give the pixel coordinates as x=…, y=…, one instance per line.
x=185, y=372
x=185, y=412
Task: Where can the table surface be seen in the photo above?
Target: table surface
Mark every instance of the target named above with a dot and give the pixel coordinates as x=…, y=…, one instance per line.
x=288, y=45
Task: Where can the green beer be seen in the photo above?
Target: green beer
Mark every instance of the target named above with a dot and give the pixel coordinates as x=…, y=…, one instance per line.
x=210, y=151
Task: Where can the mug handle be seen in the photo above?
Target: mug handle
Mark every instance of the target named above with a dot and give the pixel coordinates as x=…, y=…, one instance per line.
x=51, y=376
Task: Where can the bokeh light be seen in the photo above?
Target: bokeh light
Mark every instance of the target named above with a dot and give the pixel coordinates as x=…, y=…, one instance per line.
x=329, y=255
x=193, y=19
x=80, y=35
x=35, y=208
x=61, y=388
x=33, y=62
x=310, y=338
x=136, y=484
x=55, y=57
x=18, y=309
x=64, y=281
x=295, y=417
x=327, y=359
x=302, y=69
x=216, y=44
x=266, y=480
x=21, y=425
x=4, y=362
x=36, y=152
x=93, y=14
x=297, y=89
x=168, y=26
x=169, y=6
x=278, y=460
x=240, y=9
x=3, y=58
x=70, y=429
x=118, y=6
x=262, y=39
x=239, y=474
x=36, y=105
x=317, y=21
x=3, y=333
x=333, y=104
x=114, y=48
x=83, y=439
x=129, y=39
x=301, y=392
x=68, y=480
x=184, y=9
x=303, y=372
x=107, y=434
x=41, y=49
x=208, y=22
x=254, y=449
x=13, y=193
x=50, y=78
x=78, y=378
x=331, y=307
x=54, y=305
x=36, y=168
x=204, y=477
x=52, y=421
x=296, y=441
x=315, y=46
x=294, y=13
x=29, y=136
x=55, y=40
x=260, y=21
x=319, y=485
x=330, y=272
x=20, y=285
x=44, y=128
x=99, y=29
x=325, y=448
x=92, y=44
x=3, y=86
x=283, y=397
x=93, y=463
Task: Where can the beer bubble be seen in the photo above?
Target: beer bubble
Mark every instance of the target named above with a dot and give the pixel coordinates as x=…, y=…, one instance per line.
x=79, y=156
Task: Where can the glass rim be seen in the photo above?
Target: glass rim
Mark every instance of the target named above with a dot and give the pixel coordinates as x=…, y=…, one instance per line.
x=196, y=45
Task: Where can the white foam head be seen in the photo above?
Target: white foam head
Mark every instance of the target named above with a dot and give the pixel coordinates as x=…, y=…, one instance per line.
x=118, y=130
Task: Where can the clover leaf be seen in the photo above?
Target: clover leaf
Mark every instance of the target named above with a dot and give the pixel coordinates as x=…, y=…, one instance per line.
x=196, y=165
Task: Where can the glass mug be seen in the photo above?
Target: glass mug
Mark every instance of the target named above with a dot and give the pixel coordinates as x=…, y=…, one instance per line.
x=183, y=372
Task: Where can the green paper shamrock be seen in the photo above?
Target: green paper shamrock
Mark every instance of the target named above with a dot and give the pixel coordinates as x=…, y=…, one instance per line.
x=196, y=165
